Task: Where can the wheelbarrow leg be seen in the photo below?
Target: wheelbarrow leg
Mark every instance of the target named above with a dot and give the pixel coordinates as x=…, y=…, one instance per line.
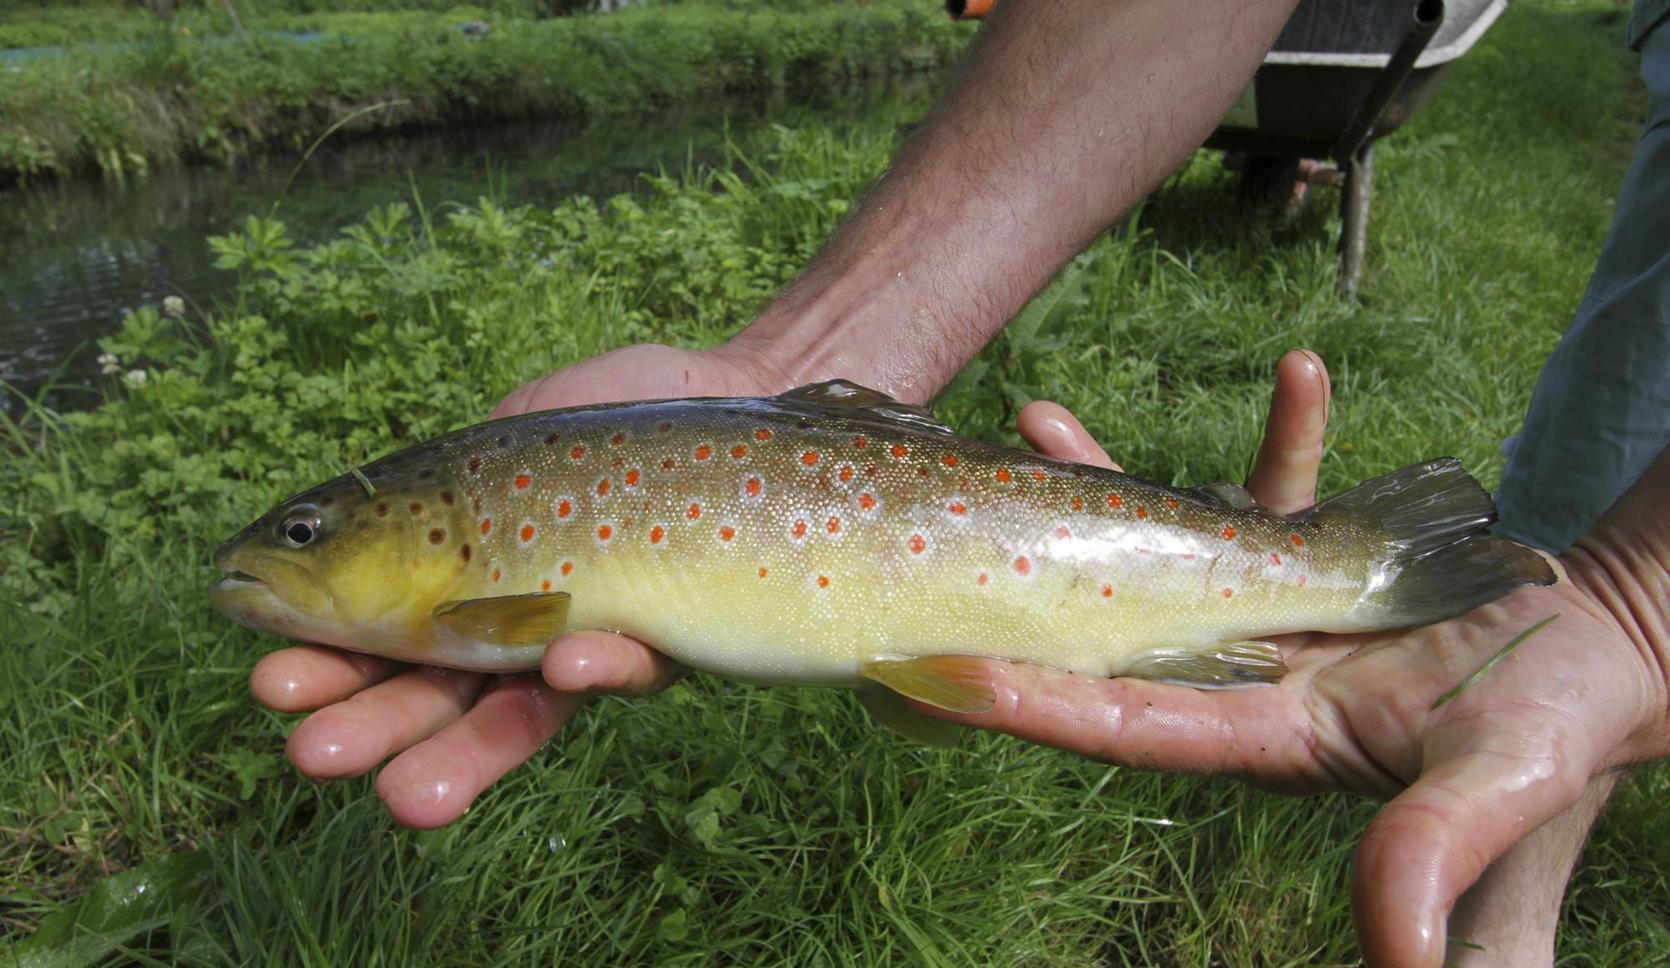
x=1353, y=216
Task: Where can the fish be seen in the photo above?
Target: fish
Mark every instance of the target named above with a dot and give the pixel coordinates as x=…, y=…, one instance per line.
x=834, y=536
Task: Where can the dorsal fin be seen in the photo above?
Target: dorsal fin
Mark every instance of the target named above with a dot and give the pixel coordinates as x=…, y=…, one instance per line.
x=1232, y=496
x=860, y=400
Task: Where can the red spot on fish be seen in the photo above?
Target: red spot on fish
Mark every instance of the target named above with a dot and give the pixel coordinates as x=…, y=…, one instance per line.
x=618, y=439
x=762, y=434
x=1022, y=565
x=949, y=460
x=1275, y=559
x=1077, y=504
x=899, y=451
x=867, y=502
x=833, y=525
x=1107, y=591
x=1171, y=502
x=726, y=532
x=693, y=512
x=522, y=482
x=1298, y=542
x=752, y=487
x=703, y=452
x=632, y=477
x=798, y=529
x=1228, y=592
x=474, y=464
x=603, y=487
x=922, y=470
x=578, y=453
x=918, y=544
x=1142, y=512
x=861, y=441
x=1115, y=501
x=486, y=525
x=982, y=579
x=739, y=451
x=1002, y=475
x=464, y=550
x=656, y=534
x=567, y=568
x=957, y=508
x=604, y=532
x=1063, y=534
x=823, y=581
x=565, y=507
x=845, y=473
x=1040, y=476
x=1229, y=533
x=497, y=574
x=809, y=458
x=545, y=585
x=1301, y=581
x=764, y=572
x=527, y=533
x=436, y=536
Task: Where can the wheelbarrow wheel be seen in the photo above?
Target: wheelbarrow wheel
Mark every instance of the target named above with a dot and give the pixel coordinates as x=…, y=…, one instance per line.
x=1269, y=180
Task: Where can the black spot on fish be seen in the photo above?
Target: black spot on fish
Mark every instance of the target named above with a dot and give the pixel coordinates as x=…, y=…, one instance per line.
x=475, y=464
x=446, y=498
x=550, y=439
x=326, y=502
x=464, y=550
x=504, y=441
x=382, y=509
x=436, y=536
x=415, y=508
x=805, y=425
x=426, y=473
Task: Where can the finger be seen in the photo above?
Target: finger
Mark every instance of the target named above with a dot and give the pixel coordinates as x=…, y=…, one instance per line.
x=1283, y=478
x=606, y=662
x=1435, y=839
x=1257, y=733
x=1053, y=431
x=515, y=402
x=350, y=737
x=309, y=676
x=434, y=782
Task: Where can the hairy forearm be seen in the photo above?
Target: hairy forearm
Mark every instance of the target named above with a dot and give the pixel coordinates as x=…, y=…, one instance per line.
x=1623, y=564
x=1063, y=115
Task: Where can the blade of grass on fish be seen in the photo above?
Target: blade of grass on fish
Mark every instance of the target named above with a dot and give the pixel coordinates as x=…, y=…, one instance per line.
x=365, y=482
x=1518, y=640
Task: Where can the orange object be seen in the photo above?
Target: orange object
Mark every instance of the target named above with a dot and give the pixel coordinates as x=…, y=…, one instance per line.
x=969, y=9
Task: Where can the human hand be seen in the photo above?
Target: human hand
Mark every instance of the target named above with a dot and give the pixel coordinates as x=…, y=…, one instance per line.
x=451, y=734
x=1467, y=776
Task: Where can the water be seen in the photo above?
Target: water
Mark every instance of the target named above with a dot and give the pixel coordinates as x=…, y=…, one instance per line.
x=79, y=253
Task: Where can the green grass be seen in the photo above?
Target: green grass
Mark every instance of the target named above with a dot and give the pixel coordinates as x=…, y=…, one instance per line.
x=184, y=97
x=776, y=826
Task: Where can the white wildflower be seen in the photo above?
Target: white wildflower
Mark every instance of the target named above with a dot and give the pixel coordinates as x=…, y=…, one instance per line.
x=173, y=306
x=135, y=378
x=108, y=364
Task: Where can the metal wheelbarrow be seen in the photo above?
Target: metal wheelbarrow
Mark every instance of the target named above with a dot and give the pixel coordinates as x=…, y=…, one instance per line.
x=1342, y=73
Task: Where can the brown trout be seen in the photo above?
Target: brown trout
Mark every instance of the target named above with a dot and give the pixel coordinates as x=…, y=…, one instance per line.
x=834, y=536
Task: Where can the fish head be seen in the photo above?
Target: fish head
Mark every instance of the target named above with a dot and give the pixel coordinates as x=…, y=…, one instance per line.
x=333, y=564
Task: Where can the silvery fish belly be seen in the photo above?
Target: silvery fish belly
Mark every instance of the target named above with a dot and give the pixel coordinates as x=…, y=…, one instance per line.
x=834, y=536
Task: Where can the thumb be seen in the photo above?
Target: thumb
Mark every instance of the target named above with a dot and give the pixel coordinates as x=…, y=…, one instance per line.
x=1434, y=840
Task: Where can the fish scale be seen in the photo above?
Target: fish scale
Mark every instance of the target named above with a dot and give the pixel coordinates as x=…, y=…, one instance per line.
x=816, y=537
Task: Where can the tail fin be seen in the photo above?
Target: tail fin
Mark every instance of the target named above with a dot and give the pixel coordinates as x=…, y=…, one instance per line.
x=1436, y=562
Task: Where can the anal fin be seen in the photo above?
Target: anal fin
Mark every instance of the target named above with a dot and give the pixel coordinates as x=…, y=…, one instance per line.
x=1214, y=667
x=507, y=620
x=896, y=714
x=956, y=683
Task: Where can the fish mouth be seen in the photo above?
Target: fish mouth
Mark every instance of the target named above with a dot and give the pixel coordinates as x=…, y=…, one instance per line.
x=265, y=591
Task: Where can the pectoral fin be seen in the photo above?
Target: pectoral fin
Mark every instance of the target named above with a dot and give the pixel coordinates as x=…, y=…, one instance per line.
x=1216, y=667
x=957, y=683
x=896, y=714
x=509, y=620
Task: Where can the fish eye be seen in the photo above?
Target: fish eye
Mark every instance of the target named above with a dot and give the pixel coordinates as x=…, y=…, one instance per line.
x=298, y=530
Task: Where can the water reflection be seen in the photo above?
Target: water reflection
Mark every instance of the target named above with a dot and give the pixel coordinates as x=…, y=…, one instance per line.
x=78, y=253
